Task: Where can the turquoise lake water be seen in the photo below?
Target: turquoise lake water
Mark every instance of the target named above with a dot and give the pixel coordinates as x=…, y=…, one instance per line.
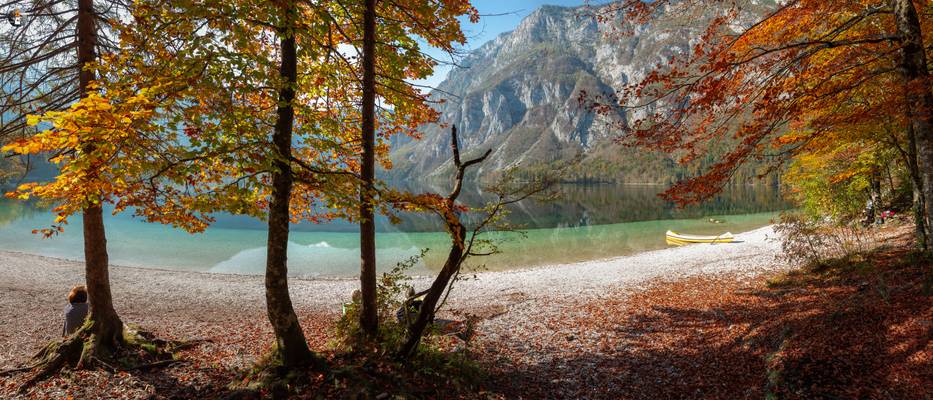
x=587, y=222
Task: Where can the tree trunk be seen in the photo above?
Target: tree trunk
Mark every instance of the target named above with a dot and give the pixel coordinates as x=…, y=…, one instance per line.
x=426, y=314
x=291, y=348
x=874, y=196
x=455, y=257
x=369, y=319
x=105, y=323
x=913, y=68
x=920, y=227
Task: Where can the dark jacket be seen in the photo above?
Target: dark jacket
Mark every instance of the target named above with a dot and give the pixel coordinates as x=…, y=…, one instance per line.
x=75, y=313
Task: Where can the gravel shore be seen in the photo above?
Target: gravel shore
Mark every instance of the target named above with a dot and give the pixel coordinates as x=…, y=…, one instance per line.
x=34, y=287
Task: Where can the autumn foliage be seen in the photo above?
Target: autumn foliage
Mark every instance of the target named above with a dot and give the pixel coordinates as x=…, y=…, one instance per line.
x=774, y=87
x=281, y=110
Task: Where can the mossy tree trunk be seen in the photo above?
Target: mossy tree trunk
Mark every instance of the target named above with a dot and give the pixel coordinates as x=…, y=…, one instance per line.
x=913, y=68
x=369, y=318
x=104, y=325
x=291, y=348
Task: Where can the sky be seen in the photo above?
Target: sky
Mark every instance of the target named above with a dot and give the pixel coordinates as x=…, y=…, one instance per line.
x=496, y=16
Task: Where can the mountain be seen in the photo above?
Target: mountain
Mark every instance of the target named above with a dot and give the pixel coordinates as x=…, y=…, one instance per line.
x=518, y=95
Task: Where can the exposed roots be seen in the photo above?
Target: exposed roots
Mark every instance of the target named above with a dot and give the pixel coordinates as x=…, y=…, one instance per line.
x=272, y=376
x=130, y=350
x=55, y=356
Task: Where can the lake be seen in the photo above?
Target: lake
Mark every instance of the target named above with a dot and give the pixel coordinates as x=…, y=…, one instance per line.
x=588, y=222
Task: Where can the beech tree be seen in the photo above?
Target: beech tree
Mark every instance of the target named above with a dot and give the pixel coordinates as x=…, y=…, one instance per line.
x=369, y=319
x=746, y=84
x=387, y=56
x=913, y=68
x=259, y=123
x=254, y=125
x=180, y=130
x=40, y=76
x=291, y=346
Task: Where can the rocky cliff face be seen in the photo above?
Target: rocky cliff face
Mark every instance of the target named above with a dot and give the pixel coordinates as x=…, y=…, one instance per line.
x=518, y=95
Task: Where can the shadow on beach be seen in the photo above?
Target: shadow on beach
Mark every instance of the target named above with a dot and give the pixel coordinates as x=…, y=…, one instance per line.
x=857, y=333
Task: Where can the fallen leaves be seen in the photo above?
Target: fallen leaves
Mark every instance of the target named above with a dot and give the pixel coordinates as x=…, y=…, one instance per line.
x=856, y=333
x=726, y=337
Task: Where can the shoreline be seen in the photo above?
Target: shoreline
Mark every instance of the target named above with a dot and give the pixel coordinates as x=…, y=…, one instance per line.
x=657, y=324
x=61, y=259
x=759, y=237
x=204, y=302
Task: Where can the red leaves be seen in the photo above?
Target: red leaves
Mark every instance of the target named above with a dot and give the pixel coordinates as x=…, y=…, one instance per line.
x=192, y=131
x=839, y=334
x=743, y=80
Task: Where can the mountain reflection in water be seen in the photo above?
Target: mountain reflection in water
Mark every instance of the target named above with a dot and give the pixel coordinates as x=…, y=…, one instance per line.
x=586, y=222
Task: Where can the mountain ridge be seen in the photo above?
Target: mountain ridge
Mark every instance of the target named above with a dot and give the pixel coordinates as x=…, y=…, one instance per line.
x=517, y=95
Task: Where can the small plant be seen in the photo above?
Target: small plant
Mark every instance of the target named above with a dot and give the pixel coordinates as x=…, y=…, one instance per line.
x=814, y=243
x=801, y=239
x=366, y=366
x=391, y=291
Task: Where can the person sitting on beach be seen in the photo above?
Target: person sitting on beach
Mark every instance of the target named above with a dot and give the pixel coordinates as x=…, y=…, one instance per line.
x=407, y=316
x=76, y=310
x=461, y=329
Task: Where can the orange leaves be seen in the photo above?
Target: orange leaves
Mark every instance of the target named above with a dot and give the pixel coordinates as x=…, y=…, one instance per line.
x=23, y=146
x=773, y=83
x=103, y=146
x=406, y=201
x=178, y=125
x=789, y=138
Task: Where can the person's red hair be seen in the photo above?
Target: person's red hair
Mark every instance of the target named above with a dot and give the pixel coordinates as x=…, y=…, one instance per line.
x=78, y=294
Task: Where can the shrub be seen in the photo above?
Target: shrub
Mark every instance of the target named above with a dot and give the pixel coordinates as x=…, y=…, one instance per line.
x=391, y=291
x=813, y=242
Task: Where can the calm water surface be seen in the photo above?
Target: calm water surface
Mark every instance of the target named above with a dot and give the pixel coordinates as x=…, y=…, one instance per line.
x=587, y=222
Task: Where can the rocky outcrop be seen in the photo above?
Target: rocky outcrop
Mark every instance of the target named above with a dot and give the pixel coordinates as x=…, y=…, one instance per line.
x=518, y=94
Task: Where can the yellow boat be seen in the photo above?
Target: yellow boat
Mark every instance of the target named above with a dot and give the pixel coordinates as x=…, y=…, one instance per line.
x=677, y=239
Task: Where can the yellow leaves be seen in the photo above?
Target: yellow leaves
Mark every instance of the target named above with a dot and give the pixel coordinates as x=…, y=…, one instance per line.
x=96, y=146
x=106, y=143
x=26, y=186
x=22, y=192
x=18, y=147
x=93, y=102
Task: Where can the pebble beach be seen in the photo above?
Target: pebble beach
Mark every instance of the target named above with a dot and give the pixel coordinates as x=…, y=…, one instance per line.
x=34, y=289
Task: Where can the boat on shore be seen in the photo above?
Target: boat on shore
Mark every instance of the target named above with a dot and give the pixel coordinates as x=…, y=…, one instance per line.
x=679, y=239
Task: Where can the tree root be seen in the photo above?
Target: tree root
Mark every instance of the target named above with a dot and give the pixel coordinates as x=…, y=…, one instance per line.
x=12, y=371
x=269, y=374
x=84, y=350
x=53, y=358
